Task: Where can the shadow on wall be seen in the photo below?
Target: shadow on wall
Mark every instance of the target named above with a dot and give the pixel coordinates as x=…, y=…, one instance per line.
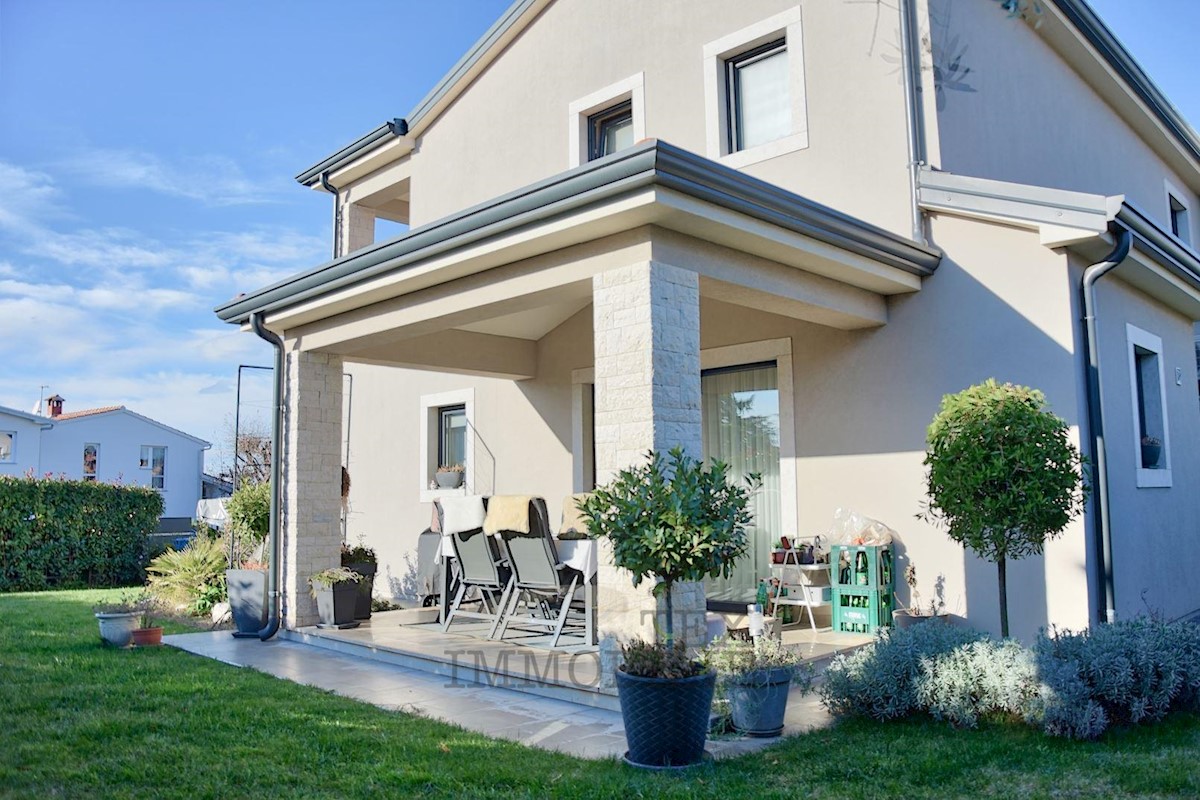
x=482, y=479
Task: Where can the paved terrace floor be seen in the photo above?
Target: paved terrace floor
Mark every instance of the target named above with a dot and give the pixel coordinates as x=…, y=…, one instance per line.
x=550, y=723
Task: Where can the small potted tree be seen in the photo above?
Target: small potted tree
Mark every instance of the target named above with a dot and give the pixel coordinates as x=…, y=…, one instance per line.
x=249, y=513
x=669, y=520
x=361, y=559
x=756, y=678
x=336, y=593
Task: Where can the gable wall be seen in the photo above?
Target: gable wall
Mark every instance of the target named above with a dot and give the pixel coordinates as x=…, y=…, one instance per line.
x=511, y=126
x=26, y=449
x=1030, y=118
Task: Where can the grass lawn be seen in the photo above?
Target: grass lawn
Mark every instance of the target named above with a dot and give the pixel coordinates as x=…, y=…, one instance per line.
x=79, y=720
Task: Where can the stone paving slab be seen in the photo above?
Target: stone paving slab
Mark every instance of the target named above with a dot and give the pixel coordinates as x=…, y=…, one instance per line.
x=541, y=722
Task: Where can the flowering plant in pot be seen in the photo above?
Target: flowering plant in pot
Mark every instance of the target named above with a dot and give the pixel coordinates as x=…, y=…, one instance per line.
x=361, y=559
x=117, y=619
x=450, y=476
x=146, y=632
x=335, y=591
x=755, y=678
x=669, y=520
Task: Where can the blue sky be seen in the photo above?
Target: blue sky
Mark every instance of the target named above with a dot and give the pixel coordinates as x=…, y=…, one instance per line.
x=146, y=158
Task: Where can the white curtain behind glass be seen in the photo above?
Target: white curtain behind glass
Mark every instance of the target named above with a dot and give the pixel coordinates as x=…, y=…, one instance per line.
x=741, y=427
x=764, y=110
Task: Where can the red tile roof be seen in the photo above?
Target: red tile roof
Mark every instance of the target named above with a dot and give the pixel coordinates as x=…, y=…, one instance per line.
x=87, y=412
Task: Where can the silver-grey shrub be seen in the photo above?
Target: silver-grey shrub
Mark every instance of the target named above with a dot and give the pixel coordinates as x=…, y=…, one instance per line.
x=1129, y=672
x=881, y=680
x=978, y=678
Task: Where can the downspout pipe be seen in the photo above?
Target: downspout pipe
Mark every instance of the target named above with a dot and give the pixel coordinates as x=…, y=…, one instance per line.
x=1102, y=530
x=337, y=212
x=910, y=71
x=272, y=626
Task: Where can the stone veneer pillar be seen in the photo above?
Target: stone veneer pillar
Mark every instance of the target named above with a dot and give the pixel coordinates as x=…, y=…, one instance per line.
x=358, y=228
x=311, y=478
x=647, y=383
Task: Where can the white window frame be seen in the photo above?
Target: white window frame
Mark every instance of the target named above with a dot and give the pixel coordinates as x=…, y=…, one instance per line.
x=1177, y=195
x=786, y=25
x=431, y=405
x=1157, y=478
x=580, y=112
x=583, y=430
x=12, y=449
x=149, y=466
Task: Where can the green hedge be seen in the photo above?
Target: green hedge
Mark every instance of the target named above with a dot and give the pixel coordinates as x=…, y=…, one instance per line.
x=61, y=533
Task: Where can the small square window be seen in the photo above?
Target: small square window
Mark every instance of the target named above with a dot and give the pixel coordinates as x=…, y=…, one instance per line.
x=154, y=458
x=1152, y=445
x=759, y=106
x=1180, y=224
x=8, y=441
x=610, y=131
x=452, y=436
x=91, y=456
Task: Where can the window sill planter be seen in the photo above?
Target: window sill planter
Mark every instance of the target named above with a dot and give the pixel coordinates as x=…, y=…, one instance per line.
x=1151, y=454
x=448, y=480
x=116, y=627
x=666, y=719
x=336, y=605
x=758, y=700
x=247, y=600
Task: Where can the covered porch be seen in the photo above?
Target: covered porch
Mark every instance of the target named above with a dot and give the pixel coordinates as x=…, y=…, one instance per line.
x=567, y=322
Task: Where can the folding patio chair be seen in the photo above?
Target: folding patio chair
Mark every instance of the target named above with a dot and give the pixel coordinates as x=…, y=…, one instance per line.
x=546, y=585
x=480, y=567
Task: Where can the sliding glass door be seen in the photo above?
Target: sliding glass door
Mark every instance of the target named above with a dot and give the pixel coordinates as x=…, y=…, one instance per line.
x=740, y=408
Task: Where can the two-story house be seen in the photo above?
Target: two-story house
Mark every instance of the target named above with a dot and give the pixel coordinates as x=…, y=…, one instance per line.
x=774, y=232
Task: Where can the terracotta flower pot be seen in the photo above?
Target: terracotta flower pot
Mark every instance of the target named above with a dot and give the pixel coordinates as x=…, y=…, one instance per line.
x=147, y=637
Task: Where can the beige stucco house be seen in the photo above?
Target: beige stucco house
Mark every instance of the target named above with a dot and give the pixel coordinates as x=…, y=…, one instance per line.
x=774, y=232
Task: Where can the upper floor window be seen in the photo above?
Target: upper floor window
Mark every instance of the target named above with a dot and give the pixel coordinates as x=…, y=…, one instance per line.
x=607, y=121
x=154, y=458
x=8, y=441
x=756, y=85
x=91, y=455
x=610, y=131
x=754, y=92
x=1180, y=224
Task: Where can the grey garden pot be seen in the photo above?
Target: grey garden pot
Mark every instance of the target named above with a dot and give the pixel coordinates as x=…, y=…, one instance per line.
x=758, y=700
x=116, y=627
x=335, y=605
x=448, y=480
x=247, y=600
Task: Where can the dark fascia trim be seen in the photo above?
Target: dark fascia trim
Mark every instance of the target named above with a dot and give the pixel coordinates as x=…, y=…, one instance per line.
x=1178, y=258
x=1114, y=53
x=470, y=58
x=650, y=163
x=395, y=127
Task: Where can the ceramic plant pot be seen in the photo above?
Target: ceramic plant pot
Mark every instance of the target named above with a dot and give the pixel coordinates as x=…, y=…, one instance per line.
x=116, y=627
x=666, y=719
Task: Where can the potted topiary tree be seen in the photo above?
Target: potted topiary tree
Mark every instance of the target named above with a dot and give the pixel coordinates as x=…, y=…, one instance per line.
x=336, y=593
x=1003, y=475
x=361, y=559
x=669, y=520
x=249, y=513
x=756, y=678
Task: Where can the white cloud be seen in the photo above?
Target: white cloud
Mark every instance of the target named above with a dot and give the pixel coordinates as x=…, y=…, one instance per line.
x=27, y=194
x=210, y=179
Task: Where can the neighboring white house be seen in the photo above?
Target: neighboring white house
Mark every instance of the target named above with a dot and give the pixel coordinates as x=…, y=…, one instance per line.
x=110, y=444
x=21, y=441
x=637, y=225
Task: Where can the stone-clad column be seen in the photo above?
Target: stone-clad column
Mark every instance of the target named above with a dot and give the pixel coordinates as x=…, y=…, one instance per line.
x=312, y=478
x=647, y=381
x=358, y=228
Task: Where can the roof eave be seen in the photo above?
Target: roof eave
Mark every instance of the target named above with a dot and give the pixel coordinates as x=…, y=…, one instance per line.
x=389, y=130
x=648, y=163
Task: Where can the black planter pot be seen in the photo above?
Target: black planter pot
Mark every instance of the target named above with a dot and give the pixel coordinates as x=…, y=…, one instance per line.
x=758, y=700
x=247, y=600
x=362, y=606
x=666, y=719
x=1151, y=454
x=336, y=605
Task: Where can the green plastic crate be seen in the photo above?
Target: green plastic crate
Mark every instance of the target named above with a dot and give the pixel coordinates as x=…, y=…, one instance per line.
x=861, y=610
x=880, y=567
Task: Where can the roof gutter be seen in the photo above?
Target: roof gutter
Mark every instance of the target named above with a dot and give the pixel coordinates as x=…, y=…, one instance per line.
x=1102, y=530
x=273, y=540
x=391, y=129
